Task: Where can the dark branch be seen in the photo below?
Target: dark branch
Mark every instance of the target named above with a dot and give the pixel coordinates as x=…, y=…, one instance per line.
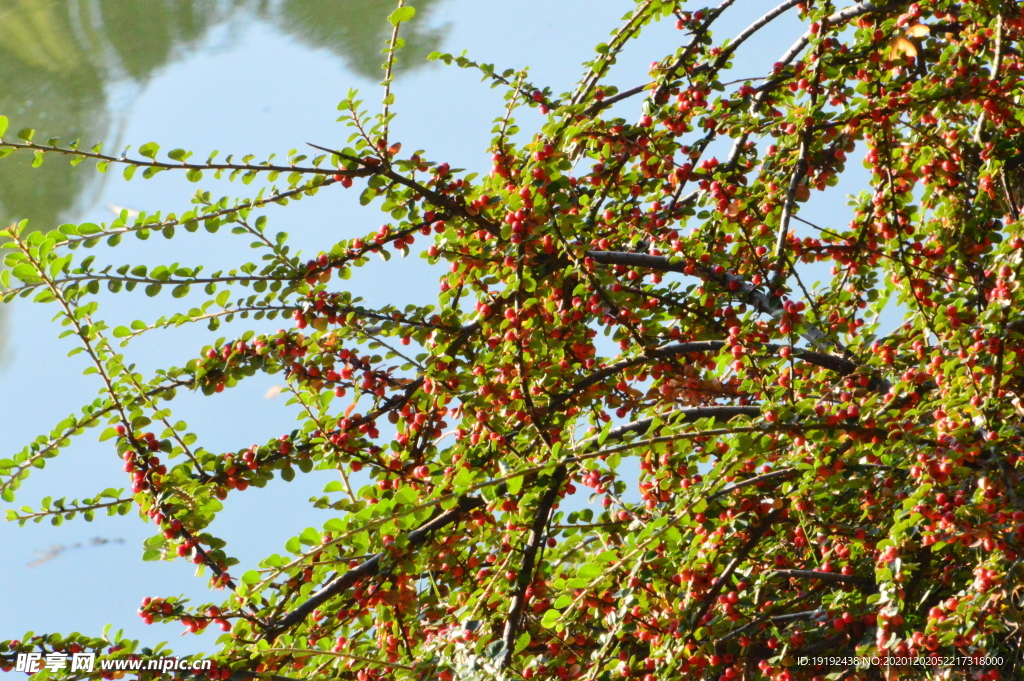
x=525, y=576
x=436, y=198
x=368, y=568
x=827, y=577
x=741, y=555
x=755, y=297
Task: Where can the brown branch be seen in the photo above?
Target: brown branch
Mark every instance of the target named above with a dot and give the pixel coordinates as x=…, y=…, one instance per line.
x=827, y=644
x=525, y=576
x=698, y=39
x=368, y=568
x=840, y=365
x=772, y=82
x=756, y=298
x=826, y=577
x=799, y=171
x=843, y=15
x=756, y=480
x=741, y=555
x=246, y=675
x=618, y=97
x=686, y=415
x=774, y=618
x=436, y=198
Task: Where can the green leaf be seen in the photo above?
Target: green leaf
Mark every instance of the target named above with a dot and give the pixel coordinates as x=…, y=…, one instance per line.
x=251, y=577
x=402, y=14
x=522, y=642
x=26, y=273
x=3, y=125
x=149, y=150
x=550, y=618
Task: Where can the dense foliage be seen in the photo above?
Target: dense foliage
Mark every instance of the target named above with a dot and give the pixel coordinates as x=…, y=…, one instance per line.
x=621, y=314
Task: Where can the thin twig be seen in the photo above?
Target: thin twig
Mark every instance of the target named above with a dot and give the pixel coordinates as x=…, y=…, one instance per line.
x=392, y=48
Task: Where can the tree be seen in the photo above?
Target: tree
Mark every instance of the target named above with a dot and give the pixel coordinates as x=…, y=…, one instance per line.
x=619, y=310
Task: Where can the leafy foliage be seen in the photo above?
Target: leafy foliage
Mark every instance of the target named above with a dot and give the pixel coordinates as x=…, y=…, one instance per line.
x=773, y=478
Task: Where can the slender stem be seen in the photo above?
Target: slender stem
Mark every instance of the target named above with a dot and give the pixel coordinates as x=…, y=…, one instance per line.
x=392, y=48
x=164, y=165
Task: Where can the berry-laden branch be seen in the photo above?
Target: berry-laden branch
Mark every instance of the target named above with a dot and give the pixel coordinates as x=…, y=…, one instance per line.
x=538, y=535
x=754, y=538
x=368, y=568
x=620, y=314
x=760, y=301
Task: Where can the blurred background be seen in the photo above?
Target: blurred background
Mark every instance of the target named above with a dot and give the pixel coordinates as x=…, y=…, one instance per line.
x=239, y=76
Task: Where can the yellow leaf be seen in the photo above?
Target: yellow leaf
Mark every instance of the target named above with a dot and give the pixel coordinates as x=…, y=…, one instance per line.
x=900, y=46
x=918, y=31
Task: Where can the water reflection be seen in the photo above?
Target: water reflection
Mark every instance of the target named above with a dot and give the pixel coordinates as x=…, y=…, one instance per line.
x=58, y=59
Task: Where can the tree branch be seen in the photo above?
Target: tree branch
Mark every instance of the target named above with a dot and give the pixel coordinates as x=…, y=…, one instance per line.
x=164, y=165
x=525, y=576
x=368, y=568
x=826, y=577
x=437, y=198
x=741, y=555
x=840, y=365
x=799, y=171
x=758, y=299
